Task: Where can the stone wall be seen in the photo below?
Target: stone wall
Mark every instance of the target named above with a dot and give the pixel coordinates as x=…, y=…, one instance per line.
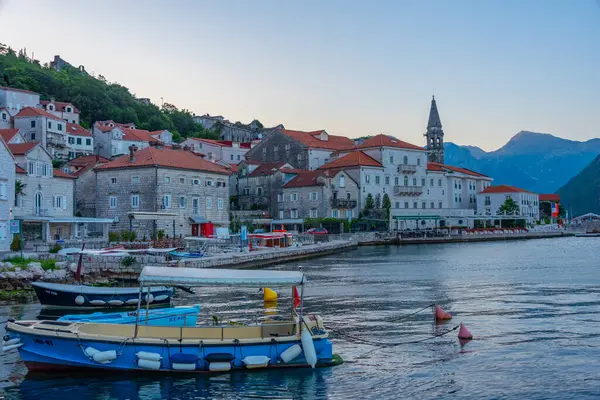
x=278, y=147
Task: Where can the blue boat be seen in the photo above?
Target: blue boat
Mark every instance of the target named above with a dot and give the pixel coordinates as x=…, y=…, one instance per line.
x=185, y=254
x=176, y=316
x=300, y=342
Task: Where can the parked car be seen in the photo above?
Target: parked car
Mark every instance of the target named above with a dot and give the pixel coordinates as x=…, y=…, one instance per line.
x=316, y=231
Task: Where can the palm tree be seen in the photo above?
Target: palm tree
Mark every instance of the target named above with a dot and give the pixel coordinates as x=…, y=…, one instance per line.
x=19, y=190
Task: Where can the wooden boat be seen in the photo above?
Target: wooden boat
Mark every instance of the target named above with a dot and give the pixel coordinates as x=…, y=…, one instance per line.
x=176, y=316
x=60, y=295
x=300, y=342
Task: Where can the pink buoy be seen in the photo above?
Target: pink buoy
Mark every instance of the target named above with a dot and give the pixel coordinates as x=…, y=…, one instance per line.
x=463, y=332
x=440, y=314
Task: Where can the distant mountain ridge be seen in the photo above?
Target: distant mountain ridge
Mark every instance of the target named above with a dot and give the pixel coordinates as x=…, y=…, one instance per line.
x=539, y=162
x=582, y=193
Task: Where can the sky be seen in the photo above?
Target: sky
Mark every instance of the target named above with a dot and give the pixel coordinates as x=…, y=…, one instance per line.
x=353, y=68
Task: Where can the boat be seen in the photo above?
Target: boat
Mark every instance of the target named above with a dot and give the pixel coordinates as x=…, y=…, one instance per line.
x=58, y=295
x=185, y=254
x=301, y=341
x=176, y=316
x=591, y=234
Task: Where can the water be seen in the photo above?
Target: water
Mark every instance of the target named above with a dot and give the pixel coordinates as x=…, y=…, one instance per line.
x=532, y=306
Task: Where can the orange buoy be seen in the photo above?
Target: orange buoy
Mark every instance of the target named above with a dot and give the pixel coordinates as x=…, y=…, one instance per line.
x=463, y=332
x=440, y=314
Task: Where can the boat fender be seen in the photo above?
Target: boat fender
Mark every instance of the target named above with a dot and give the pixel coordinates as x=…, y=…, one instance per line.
x=149, y=298
x=115, y=302
x=97, y=302
x=103, y=356
x=132, y=301
x=12, y=346
x=308, y=347
x=181, y=358
x=184, y=366
x=161, y=297
x=148, y=364
x=146, y=355
x=290, y=353
x=90, y=351
x=219, y=357
x=256, y=362
x=79, y=300
x=219, y=366
x=11, y=341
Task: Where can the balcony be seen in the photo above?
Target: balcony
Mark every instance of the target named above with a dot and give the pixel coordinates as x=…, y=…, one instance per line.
x=56, y=142
x=407, y=169
x=343, y=203
x=42, y=212
x=408, y=190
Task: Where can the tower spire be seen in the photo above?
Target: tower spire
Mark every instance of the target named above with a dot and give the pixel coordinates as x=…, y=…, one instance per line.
x=434, y=116
x=435, y=135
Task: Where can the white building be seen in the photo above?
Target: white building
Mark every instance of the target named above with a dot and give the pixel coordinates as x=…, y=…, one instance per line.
x=40, y=126
x=111, y=138
x=63, y=110
x=218, y=150
x=6, y=120
x=14, y=100
x=7, y=194
x=12, y=136
x=491, y=199
x=79, y=141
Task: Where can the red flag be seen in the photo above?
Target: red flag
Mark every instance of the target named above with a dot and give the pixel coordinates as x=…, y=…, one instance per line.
x=296, y=297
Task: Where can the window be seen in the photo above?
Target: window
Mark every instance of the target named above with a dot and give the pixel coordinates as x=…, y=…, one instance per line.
x=50, y=107
x=69, y=109
x=32, y=122
x=377, y=179
x=88, y=142
x=387, y=180
x=112, y=201
x=47, y=170
x=113, y=180
x=259, y=191
x=166, y=201
x=314, y=196
x=195, y=181
x=71, y=140
x=314, y=213
x=406, y=181
x=39, y=169
x=231, y=157
x=440, y=205
x=264, y=151
x=348, y=196
x=396, y=181
x=406, y=204
x=3, y=191
x=3, y=230
x=391, y=159
x=279, y=197
x=423, y=205
x=182, y=201
x=294, y=213
x=246, y=191
x=167, y=179
x=405, y=160
x=4, y=117
x=135, y=201
x=209, y=183
x=422, y=181
x=60, y=129
x=182, y=180
x=432, y=205
x=294, y=196
x=418, y=161
x=397, y=204
x=342, y=181
x=239, y=157
x=31, y=168
x=78, y=140
x=439, y=182
x=334, y=195
x=414, y=181
x=415, y=204
x=220, y=203
x=134, y=179
x=281, y=216
x=431, y=182
x=32, y=135
x=455, y=185
x=367, y=179
x=209, y=203
x=335, y=213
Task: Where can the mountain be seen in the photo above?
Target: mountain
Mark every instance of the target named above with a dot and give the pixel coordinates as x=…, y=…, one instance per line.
x=539, y=162
x=582, y=193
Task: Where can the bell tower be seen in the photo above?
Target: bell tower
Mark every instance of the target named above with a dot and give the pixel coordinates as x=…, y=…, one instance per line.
x=435, y=135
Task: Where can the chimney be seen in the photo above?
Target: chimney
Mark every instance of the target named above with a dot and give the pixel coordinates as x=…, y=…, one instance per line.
x=132, y=149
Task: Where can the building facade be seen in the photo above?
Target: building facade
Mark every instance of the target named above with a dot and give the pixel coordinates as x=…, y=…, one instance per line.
x=218, y=150
x=435, y=135
x=492, y=198
x=63, y=110
x=40, y=126
x=7, y=194
x=14, y=100
x=79, y=141
x=12, y=136
x=112, y=139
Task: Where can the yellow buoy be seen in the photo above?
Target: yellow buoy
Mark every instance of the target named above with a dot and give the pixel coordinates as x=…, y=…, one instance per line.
x=269, y=295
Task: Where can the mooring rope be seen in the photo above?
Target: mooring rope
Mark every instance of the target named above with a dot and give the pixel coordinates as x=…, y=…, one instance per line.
x=411, y=314
x=356, y=339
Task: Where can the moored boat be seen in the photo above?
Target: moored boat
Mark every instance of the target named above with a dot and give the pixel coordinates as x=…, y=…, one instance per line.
x=301, y=342
x=591, y=234
x=58, y=295
x=176, y=316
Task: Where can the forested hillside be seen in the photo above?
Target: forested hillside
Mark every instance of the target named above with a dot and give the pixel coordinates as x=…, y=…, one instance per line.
x=95, y=97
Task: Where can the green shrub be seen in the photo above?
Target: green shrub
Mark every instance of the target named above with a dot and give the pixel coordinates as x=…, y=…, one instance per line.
x=16, y=243
x=49, y=264
x=127, y=236
x=18, y=261
x=127, y=261
x=113, y=236
x=160, y=234
x=55, y=249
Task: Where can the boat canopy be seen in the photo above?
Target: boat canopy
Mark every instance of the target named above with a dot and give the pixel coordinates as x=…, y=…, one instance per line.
x=218, y=277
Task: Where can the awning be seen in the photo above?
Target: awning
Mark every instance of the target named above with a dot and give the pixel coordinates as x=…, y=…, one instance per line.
x=419, y=217
x=152, y=215
x=261, y=221
x=287, y=221
x=35, y=218
x=218, y=277
x=198, y=219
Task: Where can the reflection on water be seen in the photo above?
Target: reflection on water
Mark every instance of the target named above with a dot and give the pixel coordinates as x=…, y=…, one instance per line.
x=533, y=307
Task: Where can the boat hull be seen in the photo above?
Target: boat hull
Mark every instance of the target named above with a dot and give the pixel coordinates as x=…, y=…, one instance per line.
x=178, y=316
x=56, y=295
x=51, y=353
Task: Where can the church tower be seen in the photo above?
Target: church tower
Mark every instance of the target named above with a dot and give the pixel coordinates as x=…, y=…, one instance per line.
x=435, y=135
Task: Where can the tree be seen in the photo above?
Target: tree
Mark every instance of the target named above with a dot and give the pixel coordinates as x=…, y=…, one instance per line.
x=369, y=203
x=509, y=207
x=20, y=188
x=387, y=204
x=378, y=201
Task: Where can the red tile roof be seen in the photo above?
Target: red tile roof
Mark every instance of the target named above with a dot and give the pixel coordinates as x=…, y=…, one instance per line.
x=293, y=170
x=138, y=135
x=36, y=112
x=387, y=141
x=60, y=105
x=266, y=168
x=116, y=124
x=306, y=178
x=165, y=157
x=353, y=159
x=504, y=189
x=61, y=174
x=19, y=170
x=8, y=134
x=308, y=139
x=17, y=90
x=19, y=149
x=550, y=197
x=433, y=166
x=82, y=161
x=76, y=130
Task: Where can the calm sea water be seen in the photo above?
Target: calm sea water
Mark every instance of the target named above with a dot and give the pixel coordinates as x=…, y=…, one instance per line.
x=533, y=307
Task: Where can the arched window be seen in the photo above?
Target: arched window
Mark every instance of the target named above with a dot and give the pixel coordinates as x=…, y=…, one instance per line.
x=405, y=180
x=38, y=201
x=405, y=161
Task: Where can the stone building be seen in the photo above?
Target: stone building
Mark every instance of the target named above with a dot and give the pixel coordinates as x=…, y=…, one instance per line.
x=302, y=150
x=38, y=125
x=6, y=120
x=7, y=194
x=82, y=169
x=14, y=100
x=319, y=194
x=159, y=179
x=218, y=150
x=63, y=110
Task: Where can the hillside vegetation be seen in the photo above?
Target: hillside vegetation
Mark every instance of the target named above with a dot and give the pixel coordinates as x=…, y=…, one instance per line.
x=96, y=98
x=582, y=193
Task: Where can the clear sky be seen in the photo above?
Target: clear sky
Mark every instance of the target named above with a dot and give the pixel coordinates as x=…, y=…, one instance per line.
x=352, y=68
